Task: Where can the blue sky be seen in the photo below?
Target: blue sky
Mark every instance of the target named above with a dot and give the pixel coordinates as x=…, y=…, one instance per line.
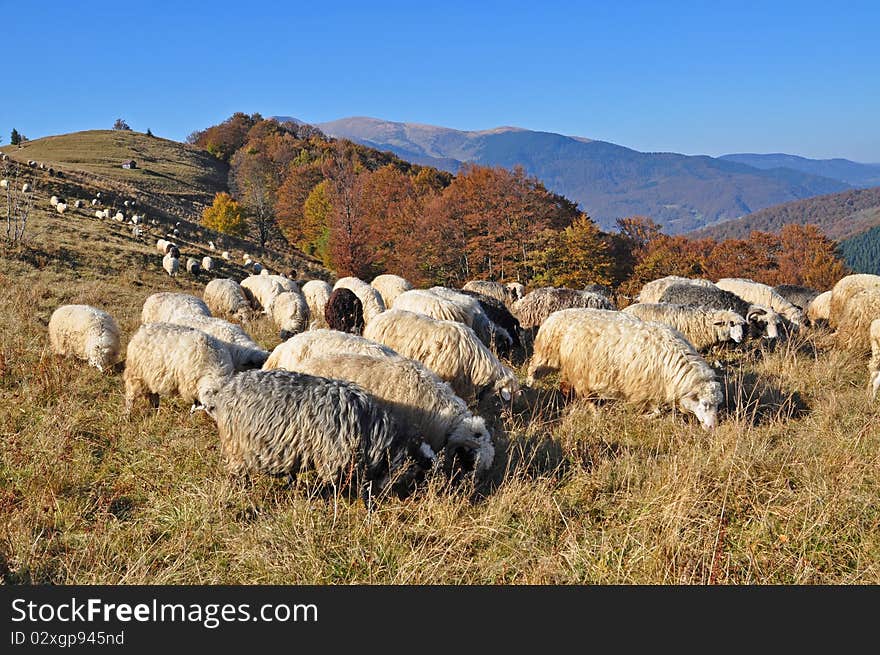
x=698, y=78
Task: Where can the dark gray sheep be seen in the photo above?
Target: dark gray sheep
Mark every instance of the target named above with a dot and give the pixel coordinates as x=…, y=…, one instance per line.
x=344, y=311
x=798, y=295
x=761, y=321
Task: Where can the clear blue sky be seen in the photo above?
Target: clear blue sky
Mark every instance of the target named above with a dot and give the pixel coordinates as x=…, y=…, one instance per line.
x=698, y=77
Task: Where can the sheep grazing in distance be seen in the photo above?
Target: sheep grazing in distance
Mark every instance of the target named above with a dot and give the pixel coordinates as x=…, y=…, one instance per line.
x=135, y=219
x=77, y=204
x=652, y=291
x=61, y=207
x=119, y=217
x=449, y=348
x=193, y=266
x=94, y=202
x=86, y=333
x=225, y=255
x=389, y=287
x=54, y=201
x=371, y=301
x=164, y=359
x=244, y=351
x=610, y=355
x=762, y=321
x=25, y=188
x=516, y=289
x=258, y=268
x=317, y=343
x=493, y=290
x=171, y=264
x=702, y=327
x=317, y=293
x=819, y=309
x=533, y=309
x=172, y=250
x=211, y=245
x=281, y=422
x=798, y=295
x=290, y=313
x=136, y=231
x=4, y=184
x=344, y=312
x=845, y=288
x=854, y=320
x=99, y=214
x=874, y=364
x=224, y=297
x=164, y=306
x=422, y=404
x=207, y=264
x=761, y=294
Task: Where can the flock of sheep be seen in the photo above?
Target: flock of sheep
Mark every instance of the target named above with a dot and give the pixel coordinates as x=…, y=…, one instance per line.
x=372, y=384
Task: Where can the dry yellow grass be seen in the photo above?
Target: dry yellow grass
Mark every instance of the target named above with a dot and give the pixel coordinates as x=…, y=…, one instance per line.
x=783, y=492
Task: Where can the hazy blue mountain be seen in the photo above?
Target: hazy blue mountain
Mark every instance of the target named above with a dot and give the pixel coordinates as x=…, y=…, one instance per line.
x=608, y=181
x=851, y=172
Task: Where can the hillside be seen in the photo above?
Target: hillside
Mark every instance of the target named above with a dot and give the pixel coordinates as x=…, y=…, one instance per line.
x=839, y=215
x=174, y=178
x=851, y=172
x=607, y=180
x=862, y=252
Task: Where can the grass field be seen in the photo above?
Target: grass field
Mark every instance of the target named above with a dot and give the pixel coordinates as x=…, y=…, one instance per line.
x=785, y=491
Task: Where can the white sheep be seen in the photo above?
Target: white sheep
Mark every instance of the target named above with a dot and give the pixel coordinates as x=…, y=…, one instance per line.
x=164, y=306
x=260, y=290
x=136, y=231
x=494, y=290
x=423, y=405
x=54, y=201
x=317, y=293
x=162, y=245
x=119, y=217
x=94, y=202
x=612, y=355
x=171, y=264
x=819, y=309
x=449, y=348
x=86, y=333
x=290, y=313
x=874, y=364
x=210, y=245
x=4, y=184
x=845, y=288
x=533, y=309
x=318, y=343
x=193, y=266
x=25, y=188
x=225, y=297
x=389, y=287
x=423, y=301
x=651, y=291
x=136, y=219
x=165, y=359
x=99, y=214
x=702, y=327
x=757, y=293
x=61, y=207
x=207, y=264
x=854, y=319
x=225, y=255
x=371, y=301
x=245, y=352
x=77, y=204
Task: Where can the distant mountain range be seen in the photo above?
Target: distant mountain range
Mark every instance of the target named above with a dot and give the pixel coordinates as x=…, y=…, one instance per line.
x=609, y=181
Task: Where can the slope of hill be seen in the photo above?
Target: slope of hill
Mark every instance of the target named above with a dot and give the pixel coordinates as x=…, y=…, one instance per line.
x=851, y=172
x=176, y=178
x=607, y=180
x=839, y=215
x=862, y=252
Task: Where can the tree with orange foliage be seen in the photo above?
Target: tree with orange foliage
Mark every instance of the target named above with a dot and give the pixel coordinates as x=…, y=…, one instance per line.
x=290, y=199
x=808, y=257
x=225, y=216
x=666, y=255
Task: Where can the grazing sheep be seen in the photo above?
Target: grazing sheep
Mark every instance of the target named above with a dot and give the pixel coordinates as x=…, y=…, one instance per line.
x=702, y=327
x=245, y=352
x=533, y=309
x=845, y=288
x=798, y=295
x=119, y=217
x=762, y=321
x=94, y=201
x=264, y=271
x=500, y=316
x=136, y=231
x=819, y=309
x=86, y=333
x=193, y=266
x=99, y=214
x=424, y=406
x=225, y=255
x=171, y=264
x=285, y=283
x=125, y=203
x=61, y=207
x=224, y=297
x=854, y=320
x=344, y=312
x=281, y=423
x=389, y=287
x=290, y=313
x=77, y=204
x=258, y=268
x=516, y=289
x=449, y=348
x=172, y=250
x=162, y=246
x=164, y=306
x=653, y=290
x=211, y=245
x=601, y=355
x=25, y=188
x=475, y=316
x=761, y=294
x=318, y=343
x=166, y=359
x=54, y=201
x=423, y=301
x=874, y=364
x=317, y=293
x=207, y=264
x=493, y=290
x=4, y=184
x=371, y=301
x=260, y=290
x=136, y=219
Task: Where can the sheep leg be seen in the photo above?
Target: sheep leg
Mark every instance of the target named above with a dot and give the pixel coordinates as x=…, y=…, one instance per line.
x=154, y=400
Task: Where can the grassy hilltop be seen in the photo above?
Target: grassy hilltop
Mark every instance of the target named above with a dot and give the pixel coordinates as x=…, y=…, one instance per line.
x=784, y=491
